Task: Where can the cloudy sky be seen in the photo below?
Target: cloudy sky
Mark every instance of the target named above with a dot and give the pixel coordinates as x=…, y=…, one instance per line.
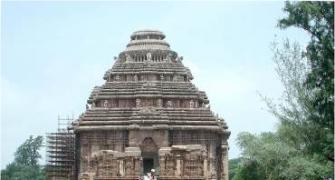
x=54, y=53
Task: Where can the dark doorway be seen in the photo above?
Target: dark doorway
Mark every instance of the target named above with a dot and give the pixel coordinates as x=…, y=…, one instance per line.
x=150, y=156
x=148, y=164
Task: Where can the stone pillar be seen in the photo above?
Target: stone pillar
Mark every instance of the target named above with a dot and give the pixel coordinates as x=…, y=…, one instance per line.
x=121, y=167
x=138, y=166
x=212, y=166
x=162, y=165
x=165, y=140
x=132, y=136
x=225, y=173
x=205, y=168
x=178, y=166
x=163, y=152
x=135, y=152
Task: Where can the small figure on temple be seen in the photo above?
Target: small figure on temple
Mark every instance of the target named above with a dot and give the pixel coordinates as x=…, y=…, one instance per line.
x=191, y=104
x=128, y=58
x=138, y=102
x=149, y=56
x=105, y=104
x=169, y=104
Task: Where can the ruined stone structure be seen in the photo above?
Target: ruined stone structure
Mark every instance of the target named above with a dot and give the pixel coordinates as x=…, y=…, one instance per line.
x=148, y=114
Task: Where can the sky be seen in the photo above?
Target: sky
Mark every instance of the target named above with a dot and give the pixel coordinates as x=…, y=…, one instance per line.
x=54, y=53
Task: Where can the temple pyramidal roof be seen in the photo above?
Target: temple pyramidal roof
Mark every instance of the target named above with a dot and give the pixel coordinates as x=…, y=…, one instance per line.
x=148, y=87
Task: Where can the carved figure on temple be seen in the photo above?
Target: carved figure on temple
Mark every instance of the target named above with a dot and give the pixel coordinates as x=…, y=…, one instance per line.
x=149, y=56
x=128, y=58
x=117, y=78
x=169, y=57
x=105, y=104
x=138, y=102
x=159, y=102
x=169, y=104
x=191, y=104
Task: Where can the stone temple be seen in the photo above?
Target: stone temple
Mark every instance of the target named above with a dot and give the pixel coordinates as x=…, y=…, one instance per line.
x=148, y=115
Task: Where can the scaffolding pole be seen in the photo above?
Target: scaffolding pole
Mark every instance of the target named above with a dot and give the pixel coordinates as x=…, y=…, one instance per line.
x=61, y=151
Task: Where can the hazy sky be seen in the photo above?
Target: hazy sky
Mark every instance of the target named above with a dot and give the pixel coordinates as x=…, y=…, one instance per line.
x=54, y=53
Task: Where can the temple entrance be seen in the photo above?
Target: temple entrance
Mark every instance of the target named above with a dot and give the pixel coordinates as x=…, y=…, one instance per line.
x=150, y=156
x=148, y=164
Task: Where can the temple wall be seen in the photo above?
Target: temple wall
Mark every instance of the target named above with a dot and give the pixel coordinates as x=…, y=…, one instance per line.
x=210, y=141
x=160, y=137
x=92, y=142
x=181, y=154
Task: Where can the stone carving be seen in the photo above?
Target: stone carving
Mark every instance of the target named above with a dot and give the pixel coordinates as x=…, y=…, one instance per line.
x=159, y=103
x=138, y=103
x=169, y=57
x=105, y=104
x=129, y=166
x=149, y=56
x=148, y=84
x=135, y=78
x=168, y=165
x=85, y=176
x=169, y=104
x=128, y=58
x=191, y=104
x=117, y=77
x=175, y=77
x=183, y=160
x=148, y=145
x=148, y=111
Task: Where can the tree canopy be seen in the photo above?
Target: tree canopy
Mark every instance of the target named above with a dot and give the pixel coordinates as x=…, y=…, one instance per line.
x=25, y=165
x=317, y=18
x=302, y=146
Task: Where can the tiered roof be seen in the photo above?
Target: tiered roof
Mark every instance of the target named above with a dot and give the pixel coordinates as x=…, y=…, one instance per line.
x=148, y=87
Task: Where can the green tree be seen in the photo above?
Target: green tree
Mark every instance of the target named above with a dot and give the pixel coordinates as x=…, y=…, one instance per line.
x=233, y=166
x=317, y=18
x=283, y=154
x=25, y=165
x=248, y=170
x=266, y=156
x=302, y=145
x=27, y=154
